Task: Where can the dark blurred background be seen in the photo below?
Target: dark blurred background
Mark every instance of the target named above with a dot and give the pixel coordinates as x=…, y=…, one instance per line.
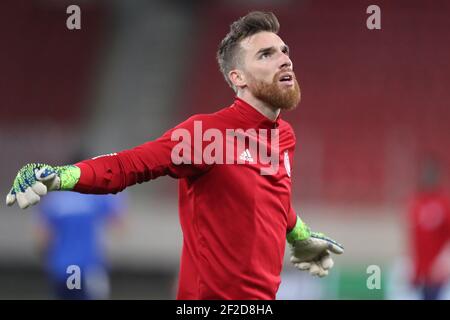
x=375, y=103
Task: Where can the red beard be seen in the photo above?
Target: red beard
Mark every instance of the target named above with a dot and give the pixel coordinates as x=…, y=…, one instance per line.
x=274, y=94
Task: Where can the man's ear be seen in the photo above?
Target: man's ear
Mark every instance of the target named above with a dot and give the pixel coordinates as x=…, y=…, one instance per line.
x=237, y=78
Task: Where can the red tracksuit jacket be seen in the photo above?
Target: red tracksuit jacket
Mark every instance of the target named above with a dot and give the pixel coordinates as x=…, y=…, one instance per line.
x=429, y=219
x=234, y=219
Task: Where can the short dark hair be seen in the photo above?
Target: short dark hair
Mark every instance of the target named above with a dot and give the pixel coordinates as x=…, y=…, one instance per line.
x=246, y=26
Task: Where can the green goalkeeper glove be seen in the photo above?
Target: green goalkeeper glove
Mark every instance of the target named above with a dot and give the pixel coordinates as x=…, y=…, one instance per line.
x=35, y=179
x=311, y=251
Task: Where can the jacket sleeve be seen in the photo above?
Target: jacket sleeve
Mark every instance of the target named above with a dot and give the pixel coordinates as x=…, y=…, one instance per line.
x=172, y=154
x=291, y=220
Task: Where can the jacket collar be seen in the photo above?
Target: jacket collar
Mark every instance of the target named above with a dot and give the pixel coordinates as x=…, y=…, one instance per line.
x=256, y=118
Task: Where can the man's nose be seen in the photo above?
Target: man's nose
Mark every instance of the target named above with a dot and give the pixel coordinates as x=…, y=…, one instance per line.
x=286, y=62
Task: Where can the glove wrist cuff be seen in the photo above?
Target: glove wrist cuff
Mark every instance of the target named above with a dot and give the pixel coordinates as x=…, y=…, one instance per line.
x=300, y=232
x=69, y=176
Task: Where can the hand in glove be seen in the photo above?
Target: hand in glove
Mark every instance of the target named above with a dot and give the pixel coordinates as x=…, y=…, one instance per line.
x=311, y=251
x=35, y=179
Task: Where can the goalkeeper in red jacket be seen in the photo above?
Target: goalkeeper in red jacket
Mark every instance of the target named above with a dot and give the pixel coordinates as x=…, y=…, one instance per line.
x=235, y=196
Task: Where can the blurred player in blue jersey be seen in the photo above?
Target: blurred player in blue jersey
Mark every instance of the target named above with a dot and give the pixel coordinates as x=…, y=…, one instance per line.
x=71, y=234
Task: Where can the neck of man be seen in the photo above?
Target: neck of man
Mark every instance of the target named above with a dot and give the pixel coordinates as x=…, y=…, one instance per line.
x=262, y=107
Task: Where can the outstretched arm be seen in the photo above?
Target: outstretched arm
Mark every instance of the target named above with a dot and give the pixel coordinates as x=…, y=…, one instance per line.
x=105, y=174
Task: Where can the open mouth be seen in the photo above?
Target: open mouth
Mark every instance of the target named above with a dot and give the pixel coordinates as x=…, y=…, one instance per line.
x=287, y=79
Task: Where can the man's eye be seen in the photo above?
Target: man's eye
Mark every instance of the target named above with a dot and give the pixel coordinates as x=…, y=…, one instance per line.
x=265, y=55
